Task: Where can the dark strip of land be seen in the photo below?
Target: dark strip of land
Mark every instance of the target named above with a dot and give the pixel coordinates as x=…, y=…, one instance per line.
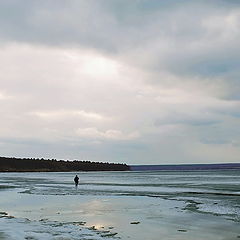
x=52, y=165
x=186, y=167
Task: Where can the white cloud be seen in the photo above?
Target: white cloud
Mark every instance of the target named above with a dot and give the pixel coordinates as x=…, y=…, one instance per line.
x=4, y=96
x=111, y=134
x=61, y=114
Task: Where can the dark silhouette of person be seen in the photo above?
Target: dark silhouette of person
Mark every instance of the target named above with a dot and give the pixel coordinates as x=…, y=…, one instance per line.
x=76, y=180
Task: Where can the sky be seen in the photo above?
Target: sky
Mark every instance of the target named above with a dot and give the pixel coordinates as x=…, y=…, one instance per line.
x=136, y=82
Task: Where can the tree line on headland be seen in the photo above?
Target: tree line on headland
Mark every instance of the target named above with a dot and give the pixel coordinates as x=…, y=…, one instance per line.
x=13, y=164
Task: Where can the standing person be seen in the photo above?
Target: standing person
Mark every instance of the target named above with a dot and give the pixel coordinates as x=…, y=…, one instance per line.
x=76, y=180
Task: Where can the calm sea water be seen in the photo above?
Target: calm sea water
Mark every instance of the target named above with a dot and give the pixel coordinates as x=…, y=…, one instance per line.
x=216, y=193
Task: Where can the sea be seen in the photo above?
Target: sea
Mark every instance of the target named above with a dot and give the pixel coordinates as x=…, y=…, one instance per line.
x=137, y=205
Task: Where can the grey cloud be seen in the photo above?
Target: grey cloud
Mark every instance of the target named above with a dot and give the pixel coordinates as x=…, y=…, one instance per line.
x=103, y=24
x=74, y=23
x=159, y=45
x=225, y=132
x=186, y=120
x=159, y=35
x=73, y=149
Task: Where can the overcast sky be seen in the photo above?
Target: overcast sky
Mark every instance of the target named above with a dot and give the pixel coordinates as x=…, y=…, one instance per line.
x=139, y=82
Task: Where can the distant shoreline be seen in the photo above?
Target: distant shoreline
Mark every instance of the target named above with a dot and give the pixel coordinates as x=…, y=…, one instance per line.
x=186, y=167
x=13, y=164
x=52, y=165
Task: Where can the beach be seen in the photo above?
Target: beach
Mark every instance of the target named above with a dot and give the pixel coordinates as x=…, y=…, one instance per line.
x=121, y=205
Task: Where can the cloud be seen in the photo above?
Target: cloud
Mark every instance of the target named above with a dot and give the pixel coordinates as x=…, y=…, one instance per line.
x=201, y=44
x=194, y=108
x=4, y=96
x=187, y=119
x=140, y=81
x=55, y=115
x=111, y=134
